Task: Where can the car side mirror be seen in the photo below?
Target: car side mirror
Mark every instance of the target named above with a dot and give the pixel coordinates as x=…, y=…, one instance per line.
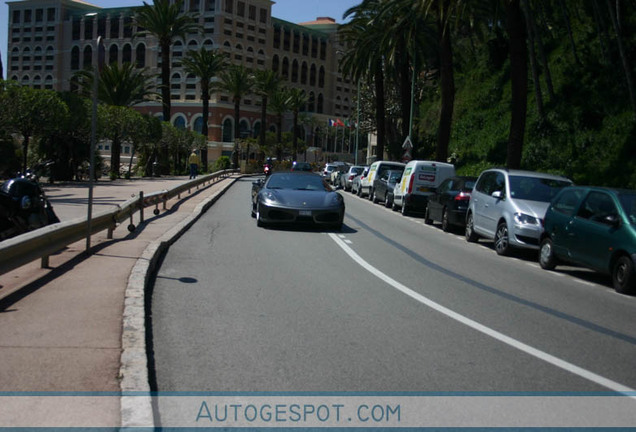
x=498, y=195
x=258, y=182
x=612, y=220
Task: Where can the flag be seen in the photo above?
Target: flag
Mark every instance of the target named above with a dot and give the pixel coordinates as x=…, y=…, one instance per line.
x=332, y=123
x=339, y=123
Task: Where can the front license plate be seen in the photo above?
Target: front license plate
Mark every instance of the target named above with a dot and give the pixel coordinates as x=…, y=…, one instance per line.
x=304, y=213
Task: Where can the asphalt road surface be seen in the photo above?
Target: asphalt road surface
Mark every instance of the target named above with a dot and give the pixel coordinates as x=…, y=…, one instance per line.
x=388, y=304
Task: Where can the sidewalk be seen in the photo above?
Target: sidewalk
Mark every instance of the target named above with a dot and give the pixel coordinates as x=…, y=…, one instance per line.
x=62, y=327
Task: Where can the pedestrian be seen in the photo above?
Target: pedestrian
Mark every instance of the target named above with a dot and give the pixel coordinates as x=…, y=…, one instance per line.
x=194, y=164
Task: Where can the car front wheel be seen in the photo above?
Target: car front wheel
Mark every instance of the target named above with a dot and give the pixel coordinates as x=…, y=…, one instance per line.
x=502, y=239
x=623, y=276
x=446, y=226
x=547, y=260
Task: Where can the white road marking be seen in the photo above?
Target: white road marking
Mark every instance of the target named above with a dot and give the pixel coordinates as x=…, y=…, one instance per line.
x=569, y=367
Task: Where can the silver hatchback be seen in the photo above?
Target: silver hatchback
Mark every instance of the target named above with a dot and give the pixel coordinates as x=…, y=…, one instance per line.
x=508, y=207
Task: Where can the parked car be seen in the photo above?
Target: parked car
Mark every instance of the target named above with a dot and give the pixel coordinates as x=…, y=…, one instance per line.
x=420, y=180
x=449, y=203
x=357, y=181
x=328, y=169
x=301, y=166
x=337, y=173
x=376, y=170
x=383, y=187
x=508, y=206
x=298, y=198
x=595, y=228
x=346, y=180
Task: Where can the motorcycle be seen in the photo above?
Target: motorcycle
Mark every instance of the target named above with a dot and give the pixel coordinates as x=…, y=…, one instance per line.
x=267, y=169
x=24, y=206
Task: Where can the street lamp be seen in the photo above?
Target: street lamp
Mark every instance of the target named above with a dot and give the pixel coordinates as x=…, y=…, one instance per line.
x=98, y=62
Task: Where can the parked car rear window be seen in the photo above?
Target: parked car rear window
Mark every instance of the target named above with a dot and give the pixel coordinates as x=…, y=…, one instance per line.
x=535, y=188
x=628, y=202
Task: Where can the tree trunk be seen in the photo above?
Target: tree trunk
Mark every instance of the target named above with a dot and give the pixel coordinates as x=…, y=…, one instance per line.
x=237, y=133
x=624, y=60
x=295, y=135
x=447, y=84
x=568, y=26
x=380, y=109
x=204, y=127
x=534, y=30
x=115, y=158
x=165, y=100
x=519, y=82
x=25, y=151
x=533, y=61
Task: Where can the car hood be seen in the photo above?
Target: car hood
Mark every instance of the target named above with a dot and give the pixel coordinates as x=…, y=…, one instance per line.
x=301, y=198
x=534, y=208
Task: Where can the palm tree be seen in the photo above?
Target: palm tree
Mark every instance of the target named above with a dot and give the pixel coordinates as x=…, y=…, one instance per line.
x=119, y=86
x=280, y=105
x=409, y=20
x=364, y=61
x=206, y=65
x=266, y=84
x=238, y=82
x=166, y=22
x=296, y=101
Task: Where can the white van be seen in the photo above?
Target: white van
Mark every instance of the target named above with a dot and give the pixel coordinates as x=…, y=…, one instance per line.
x=376, y=170
x=419, y=181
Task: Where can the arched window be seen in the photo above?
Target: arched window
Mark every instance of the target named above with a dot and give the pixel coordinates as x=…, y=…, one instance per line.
x=88, y=57
x=294, y=77
x=312, y=75
x=75, y=58
x=256, y=132
x=303, y=74
x=321, y=77
x=113, y=54
x=179, y=122
x=127, y=54
x=198, y=124
x=228, y=130
x=285, y=72
x=321, y=104
x=275, y=63
x=311, y=102
x=244, y=129
x=141, y=56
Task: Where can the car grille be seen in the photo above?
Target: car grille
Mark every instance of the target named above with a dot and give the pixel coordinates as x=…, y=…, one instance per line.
x=280, y=215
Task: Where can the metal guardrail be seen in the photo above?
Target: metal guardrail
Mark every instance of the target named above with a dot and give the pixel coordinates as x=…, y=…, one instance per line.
x=44, y=242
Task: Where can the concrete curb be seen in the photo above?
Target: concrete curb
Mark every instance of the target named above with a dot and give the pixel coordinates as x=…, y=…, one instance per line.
x=136, y=409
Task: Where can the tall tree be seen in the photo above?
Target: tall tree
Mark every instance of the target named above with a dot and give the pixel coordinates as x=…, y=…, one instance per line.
x=280, y=105
x=515, y=26
x=119, y=86
x=266, y=84
x=165, y=21
x=206, y=65
x=237, y=81
x=30, y=112
x=296, y=101
x=363, y=60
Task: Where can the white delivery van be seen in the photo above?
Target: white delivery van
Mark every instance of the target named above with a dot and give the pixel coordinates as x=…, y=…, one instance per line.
x=376, y=170
x=419, y=180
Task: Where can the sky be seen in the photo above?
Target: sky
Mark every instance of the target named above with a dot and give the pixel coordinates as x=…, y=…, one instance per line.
x=295, y=11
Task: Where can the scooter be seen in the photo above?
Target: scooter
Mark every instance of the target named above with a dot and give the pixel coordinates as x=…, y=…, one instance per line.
x=24, y=206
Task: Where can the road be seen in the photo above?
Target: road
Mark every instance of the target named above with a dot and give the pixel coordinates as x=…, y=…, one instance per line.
x=388, y=304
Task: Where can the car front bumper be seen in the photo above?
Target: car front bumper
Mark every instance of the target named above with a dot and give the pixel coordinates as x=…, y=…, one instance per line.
x=276, y=214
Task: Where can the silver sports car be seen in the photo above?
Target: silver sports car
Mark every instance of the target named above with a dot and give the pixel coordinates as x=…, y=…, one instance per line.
x=295, y=198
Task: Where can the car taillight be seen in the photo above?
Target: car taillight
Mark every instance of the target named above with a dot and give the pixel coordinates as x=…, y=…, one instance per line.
x=351, y=177
x=462, y=196
x=410, y=189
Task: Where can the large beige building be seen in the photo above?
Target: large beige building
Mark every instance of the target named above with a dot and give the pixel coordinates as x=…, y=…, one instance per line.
x=50, y=40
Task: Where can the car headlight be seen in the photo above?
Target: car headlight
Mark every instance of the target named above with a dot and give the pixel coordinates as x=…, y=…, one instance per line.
x=336, y=199
x=269, y=196
x=525, y=219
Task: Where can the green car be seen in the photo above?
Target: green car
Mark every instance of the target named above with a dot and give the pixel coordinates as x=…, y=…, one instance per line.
x=593, y=227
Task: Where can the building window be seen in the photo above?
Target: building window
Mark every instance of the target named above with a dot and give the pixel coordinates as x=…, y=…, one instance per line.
x=229, y=6
x=50, y=14
x=39, y=15
x=88, y=28
x=114, y=27
x=16, y=17
x=252, y=13
x=141, y=56
x=113, y=54
x=240, y=9
x=263, y=15
x=127, y=54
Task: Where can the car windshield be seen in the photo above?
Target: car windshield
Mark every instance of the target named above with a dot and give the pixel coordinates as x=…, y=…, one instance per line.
x=535, y=188
x=296, y=182
x=357, y=171
x=628, y=202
